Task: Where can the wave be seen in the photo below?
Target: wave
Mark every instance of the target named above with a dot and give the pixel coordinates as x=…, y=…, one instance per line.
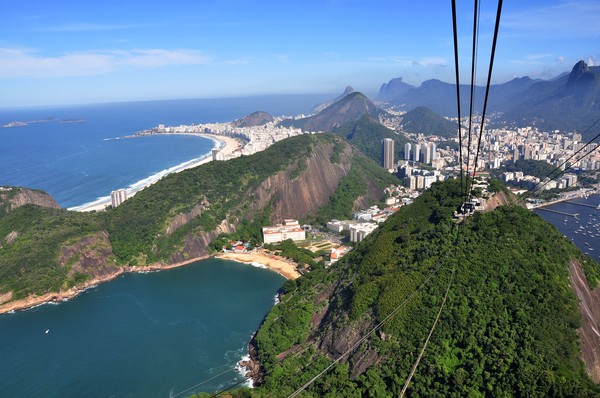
x=141, y=184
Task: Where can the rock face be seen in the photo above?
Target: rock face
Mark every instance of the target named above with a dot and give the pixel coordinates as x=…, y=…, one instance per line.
x=91, y=255
x=196, y=244
x=305, y=194
x=589, y=305
x=14, y=197
x=392, y=89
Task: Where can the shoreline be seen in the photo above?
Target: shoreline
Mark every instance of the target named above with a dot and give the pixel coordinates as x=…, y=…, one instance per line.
x=283, y=268
x=65, y=295
x=227, y=145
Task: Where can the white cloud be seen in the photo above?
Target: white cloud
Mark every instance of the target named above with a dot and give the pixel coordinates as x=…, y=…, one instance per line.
x=561, y=59
x=534, y=57
x=27, y=63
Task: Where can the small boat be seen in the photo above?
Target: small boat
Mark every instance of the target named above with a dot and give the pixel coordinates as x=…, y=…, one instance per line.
x=47, y=330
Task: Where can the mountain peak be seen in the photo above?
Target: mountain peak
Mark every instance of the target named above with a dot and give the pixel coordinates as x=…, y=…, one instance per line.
x=257, y=118
x=392, y=89
x=318, y=108
x=579, y=72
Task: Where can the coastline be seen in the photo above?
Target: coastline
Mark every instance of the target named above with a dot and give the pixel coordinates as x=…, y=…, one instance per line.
x=227, y=145
x=65, y=295
x=283, y=268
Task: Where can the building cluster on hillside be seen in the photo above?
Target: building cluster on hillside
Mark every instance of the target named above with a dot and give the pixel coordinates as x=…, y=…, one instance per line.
x=501, y=146
x=290, y=229
x=567, y=180
x=363, y=223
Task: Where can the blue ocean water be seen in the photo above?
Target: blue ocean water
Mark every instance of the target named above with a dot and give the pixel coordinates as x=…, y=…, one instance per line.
x=141, y=335
x=78, y=162
x=583, y=230
x=151, y=335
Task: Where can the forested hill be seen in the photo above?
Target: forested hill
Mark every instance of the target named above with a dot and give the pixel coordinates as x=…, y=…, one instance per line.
x=508, y=328
x=319, y=177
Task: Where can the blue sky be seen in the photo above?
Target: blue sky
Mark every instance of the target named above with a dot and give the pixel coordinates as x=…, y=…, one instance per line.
x=71, y=52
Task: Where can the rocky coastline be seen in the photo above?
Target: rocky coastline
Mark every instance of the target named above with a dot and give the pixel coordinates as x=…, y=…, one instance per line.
x=65, y=295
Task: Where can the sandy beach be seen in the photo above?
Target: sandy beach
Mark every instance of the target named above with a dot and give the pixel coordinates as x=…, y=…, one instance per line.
x=227, y=145
x=283, y=268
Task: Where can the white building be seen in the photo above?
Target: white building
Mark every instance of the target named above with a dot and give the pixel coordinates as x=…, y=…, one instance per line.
x=387, y=150
x=117, y=197
x=290, y=229
x=407, y=148
x=217, y=154
x=359, y=231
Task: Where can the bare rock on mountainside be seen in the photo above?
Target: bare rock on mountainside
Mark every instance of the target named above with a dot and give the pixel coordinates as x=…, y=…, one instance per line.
x=589, y=305
x=14, y=197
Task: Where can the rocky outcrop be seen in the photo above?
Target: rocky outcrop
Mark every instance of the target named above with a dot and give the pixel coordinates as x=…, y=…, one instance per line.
x=14, y=197
x=196, y=243
x=91, y=255
x=498, y=199
x=305, y=194
x=589, y=333
x=182, y=219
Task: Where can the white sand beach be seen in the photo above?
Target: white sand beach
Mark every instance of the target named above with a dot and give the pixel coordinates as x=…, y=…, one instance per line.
x=227, y=145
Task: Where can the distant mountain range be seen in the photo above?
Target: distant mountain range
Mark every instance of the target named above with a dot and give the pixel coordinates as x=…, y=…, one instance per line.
x=570, y=101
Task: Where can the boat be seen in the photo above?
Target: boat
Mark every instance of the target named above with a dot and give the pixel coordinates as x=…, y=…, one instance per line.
x=47, y=330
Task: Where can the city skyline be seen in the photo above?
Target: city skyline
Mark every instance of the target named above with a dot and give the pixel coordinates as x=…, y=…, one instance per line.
x=72, y=53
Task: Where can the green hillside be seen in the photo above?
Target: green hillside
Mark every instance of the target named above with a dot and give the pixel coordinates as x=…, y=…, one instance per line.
x=47, y=250
x=507, y=329
x=367, y=133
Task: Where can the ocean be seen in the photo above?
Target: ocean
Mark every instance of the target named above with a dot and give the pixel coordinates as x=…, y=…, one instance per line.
x=583, y=230
x=71, y=152
x=141, y=335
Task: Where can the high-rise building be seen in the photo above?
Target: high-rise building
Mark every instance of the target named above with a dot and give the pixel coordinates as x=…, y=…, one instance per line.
x=425, y=154
x=217, y=155
x=407, y=148
x=117, y=197
x=387, y=150
x=432, y=151
x=417, y=151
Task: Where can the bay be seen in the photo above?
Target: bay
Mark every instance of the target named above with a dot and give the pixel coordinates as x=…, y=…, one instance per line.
x=583, y=230
x=141, y=335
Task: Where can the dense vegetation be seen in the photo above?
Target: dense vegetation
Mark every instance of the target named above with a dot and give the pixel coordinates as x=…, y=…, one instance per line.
x=508, y=327
x=26, y=264
x=367, y=133
x=425, y=121
x=31, y=237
